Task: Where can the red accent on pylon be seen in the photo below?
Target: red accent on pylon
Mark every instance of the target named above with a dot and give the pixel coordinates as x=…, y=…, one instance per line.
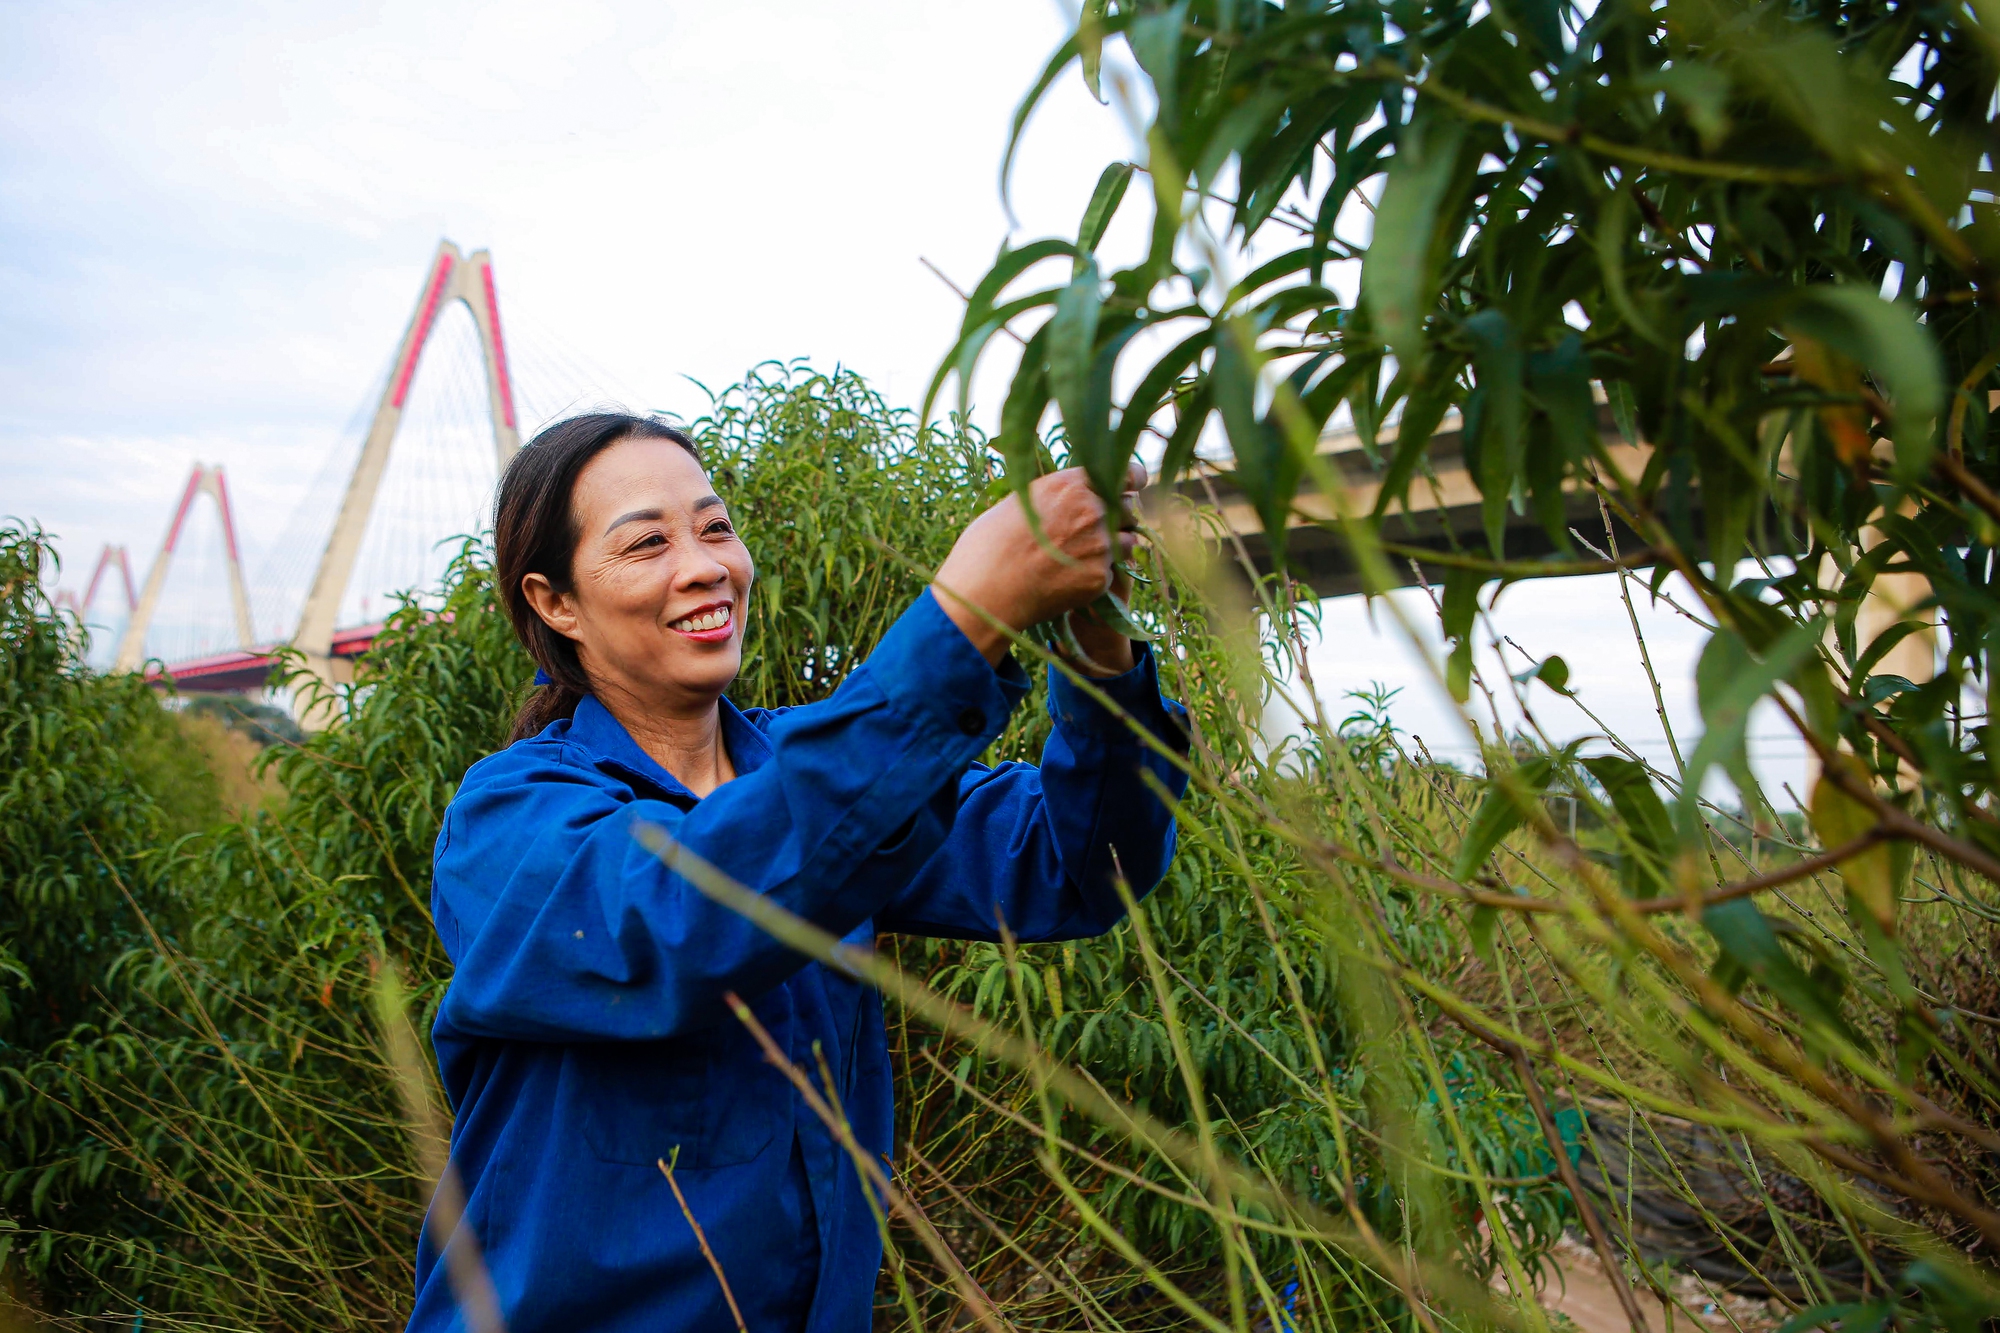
x=96, y=577
x=432, y=296
x=105, y=558
x=228, y=518
x=131, y=588
x=180, y=514
x=499, y=347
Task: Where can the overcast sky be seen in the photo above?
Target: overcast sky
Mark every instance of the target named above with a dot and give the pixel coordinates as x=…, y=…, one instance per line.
x=214, y=219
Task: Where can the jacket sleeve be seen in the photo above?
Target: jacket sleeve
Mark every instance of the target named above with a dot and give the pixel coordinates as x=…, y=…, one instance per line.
x=1041, y=847
x=563, y=928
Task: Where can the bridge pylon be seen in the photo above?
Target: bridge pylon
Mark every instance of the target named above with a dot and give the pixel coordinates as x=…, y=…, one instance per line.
x=452, y=277
x=110, y=556
x=132, y=644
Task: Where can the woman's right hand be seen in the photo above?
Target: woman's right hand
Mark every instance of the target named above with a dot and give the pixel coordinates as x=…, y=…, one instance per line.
x=998, y=566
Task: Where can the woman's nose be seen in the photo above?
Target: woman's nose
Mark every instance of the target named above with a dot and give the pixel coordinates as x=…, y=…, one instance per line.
x=702, y=572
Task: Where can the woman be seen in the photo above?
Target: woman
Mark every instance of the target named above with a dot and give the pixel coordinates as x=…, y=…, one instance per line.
x=583, y=1039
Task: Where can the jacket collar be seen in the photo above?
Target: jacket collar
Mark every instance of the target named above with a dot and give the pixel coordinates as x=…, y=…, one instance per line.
x=610, y=746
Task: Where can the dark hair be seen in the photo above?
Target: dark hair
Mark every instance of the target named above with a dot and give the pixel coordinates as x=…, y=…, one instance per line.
x=535, y=532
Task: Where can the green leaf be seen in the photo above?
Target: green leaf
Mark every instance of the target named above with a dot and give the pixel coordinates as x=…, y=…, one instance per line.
x=1266, y=469
x=1020, y=438
x=1610, y=240
x=1886, y=339
x=1428, y=403
x=1009, y=265
x=1090, y=44
x=1700, y=90
x=1093, y=444
x=1619, y=395
x=1495, y=444
x=1848, y=1316
x=1729, y=680
x=1114, y=615
x=1458, y=670
x=1194, y=411
x=1510, y=800
x=1540, y=21
x=1152, y=391
x=1869, y=875
x=1072, y=334
x=1644, y=818
x=1155, y=39
x=978, y=324
x=1071, y=49
x=1103, y=206
x=1397, y=278
x=1460, y=603
x=1883, y=643
x=1747, y=939
x=1485, y=923
x=1559, y=381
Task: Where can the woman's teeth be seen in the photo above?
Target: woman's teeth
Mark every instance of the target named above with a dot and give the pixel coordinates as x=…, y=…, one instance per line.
x=715, y=619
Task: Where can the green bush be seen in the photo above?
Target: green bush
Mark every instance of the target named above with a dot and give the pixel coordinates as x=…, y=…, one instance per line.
x=94, y=796
x=260, y=1168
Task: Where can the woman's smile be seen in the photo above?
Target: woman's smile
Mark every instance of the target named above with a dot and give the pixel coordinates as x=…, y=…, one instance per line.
x=713, y=623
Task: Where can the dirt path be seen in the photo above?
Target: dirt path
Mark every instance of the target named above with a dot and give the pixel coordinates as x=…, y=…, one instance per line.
x=1583, y=1292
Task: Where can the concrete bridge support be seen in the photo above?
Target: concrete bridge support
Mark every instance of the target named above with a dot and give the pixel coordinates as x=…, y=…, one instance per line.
x=452, y=277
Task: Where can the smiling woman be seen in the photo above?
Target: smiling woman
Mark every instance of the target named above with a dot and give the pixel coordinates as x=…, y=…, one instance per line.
x=630, y=585
x=583, y=1038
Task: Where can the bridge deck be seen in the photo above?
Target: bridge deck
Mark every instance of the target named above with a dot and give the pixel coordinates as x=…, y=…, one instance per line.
x=1444, y=510
x=248, y=670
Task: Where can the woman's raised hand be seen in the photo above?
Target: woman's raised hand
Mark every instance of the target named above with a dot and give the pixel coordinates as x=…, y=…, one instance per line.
x=999, y=567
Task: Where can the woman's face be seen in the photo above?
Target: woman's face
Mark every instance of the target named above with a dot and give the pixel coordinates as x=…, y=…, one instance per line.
x=660, y=580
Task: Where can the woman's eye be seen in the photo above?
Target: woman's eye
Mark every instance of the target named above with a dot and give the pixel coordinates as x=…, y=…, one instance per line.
x=718, y=528
x=650, y=539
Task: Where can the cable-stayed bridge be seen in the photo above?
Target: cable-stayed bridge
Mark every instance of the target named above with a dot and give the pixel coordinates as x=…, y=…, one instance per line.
x=413, y=472
x=417, y=467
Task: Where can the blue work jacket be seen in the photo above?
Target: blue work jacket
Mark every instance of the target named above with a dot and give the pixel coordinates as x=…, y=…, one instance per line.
x=583, y=1037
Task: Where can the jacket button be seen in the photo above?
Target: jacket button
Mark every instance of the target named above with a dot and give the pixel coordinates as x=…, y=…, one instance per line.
x=972, y=722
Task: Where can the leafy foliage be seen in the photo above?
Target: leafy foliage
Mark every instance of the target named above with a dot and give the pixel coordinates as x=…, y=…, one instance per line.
x=845, y=497
x=263, y=1163
x=93, y=795
x=1725, y=267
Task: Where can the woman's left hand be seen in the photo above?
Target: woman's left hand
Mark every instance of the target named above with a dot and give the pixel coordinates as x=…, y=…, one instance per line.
x=1001, y=571
x=1106, y=651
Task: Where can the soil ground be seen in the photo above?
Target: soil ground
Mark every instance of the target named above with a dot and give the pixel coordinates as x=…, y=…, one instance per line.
x=1583, y=1293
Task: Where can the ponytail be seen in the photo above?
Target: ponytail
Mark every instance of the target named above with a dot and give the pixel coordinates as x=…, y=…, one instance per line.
x=549, y=703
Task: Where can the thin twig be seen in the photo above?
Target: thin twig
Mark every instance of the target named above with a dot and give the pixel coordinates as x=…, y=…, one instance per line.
x=960, y=293
x=1521, y=569
x=1975, y=490
x=970, y=1292
x=701, y=1238
x=1509, y=902
x=1592, y=1223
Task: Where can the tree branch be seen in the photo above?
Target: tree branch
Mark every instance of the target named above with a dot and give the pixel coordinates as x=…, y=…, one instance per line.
x=1508, y=902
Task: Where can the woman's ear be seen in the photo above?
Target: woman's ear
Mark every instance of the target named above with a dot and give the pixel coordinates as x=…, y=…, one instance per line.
x=553, y=607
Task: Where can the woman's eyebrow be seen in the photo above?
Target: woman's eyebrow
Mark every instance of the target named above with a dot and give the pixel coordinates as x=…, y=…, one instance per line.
x=636, y=516
x=651, y=515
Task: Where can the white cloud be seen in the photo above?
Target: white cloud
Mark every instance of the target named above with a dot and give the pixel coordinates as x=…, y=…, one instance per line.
x=214, y=217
